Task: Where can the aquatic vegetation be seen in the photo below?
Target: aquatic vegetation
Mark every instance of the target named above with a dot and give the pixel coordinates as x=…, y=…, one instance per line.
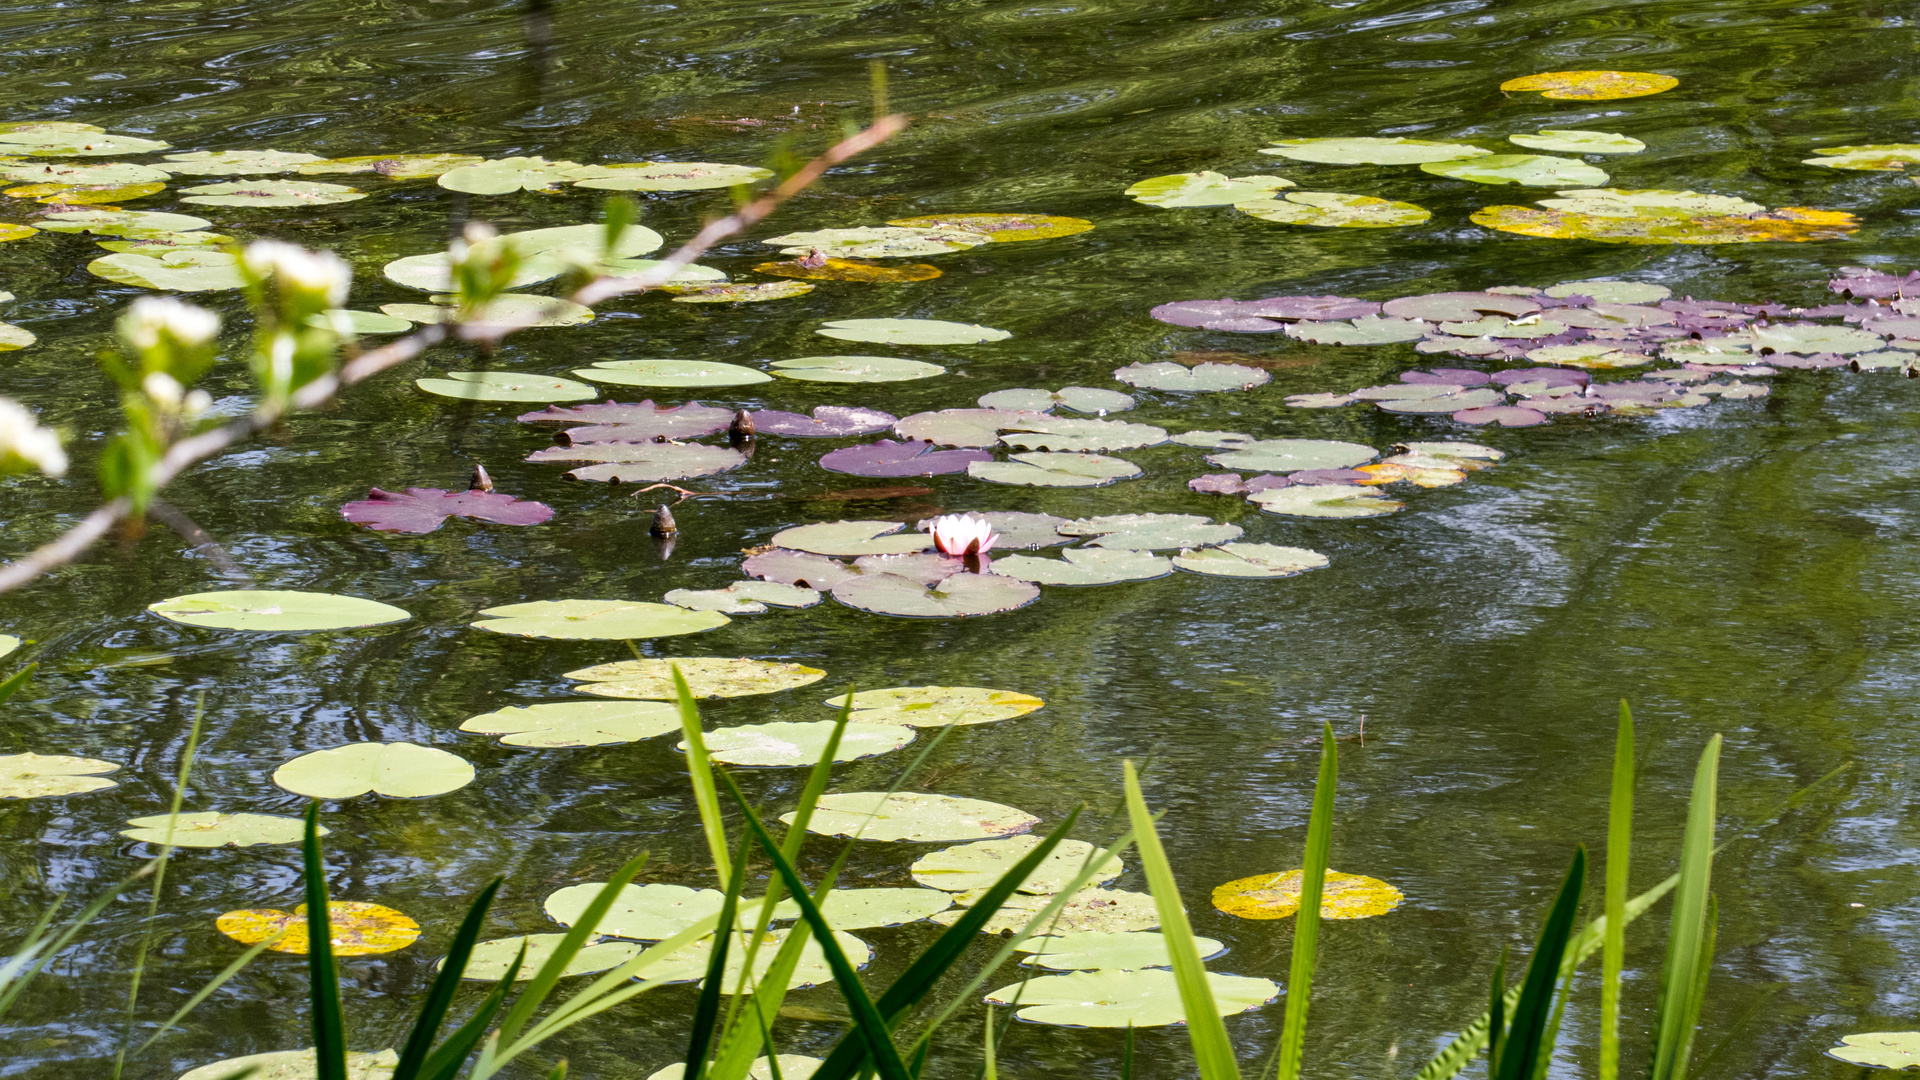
x=1370, y=150
x=1335, y=210
x=1205, y=189
x=213, y=829
x=45, y=776
x=398, y=770
x=854, y=369
x=276, y=611
x=1277, y=896
x=424, y=510
x=1880, y=1050
x=913, y=816
x=576, y=723
x=910, y=331
x=605, y=620
x=1592, y=85
x=1571, y=141
x=357, y=929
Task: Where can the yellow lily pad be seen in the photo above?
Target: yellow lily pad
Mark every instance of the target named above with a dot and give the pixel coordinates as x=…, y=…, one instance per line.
x=1277, y=896
x=359, y=929
x=1593, y=85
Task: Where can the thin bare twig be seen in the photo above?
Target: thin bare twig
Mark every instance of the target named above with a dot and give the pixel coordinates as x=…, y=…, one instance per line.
x=199, y=539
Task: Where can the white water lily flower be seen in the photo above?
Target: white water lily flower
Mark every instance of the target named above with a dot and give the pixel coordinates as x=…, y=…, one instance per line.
x=320, y=272
x=963, y=534
x=22, y=439
x=150, y=318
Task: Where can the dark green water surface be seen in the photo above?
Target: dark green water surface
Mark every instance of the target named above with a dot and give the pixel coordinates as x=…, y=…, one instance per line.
x=1745, y=568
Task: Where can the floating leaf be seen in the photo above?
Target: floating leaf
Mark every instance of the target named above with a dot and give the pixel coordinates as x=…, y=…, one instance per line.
x=1102, y=910
x=965, y=427
x=15, y=337
x=640, y=912
x=355, y=928
x=690, y=964
x=1205, y=189
x=1017, y=531
x=504, y=386
x=1324, y=500
x=1479, y=397
x=1060, y=433
x=1812, y=338
x=870, y=242
x=1293, y=455
x=855, y=369
x=38, y=776
x=690, y=274
x=179, y=270
x=1455, y=455
x=576, y=723
x=85, y=195
x=857, y=909
x=673, y=373
x=234, y=162
x=1214, y=440
x=784, y=1067
x=1373, y=151
x=8, y=643
x=827, y=422
x=1591, y=355
x=1572, y=141
x=1504, y=415
x=151, y=241
x=1458, y=306
x=1094, y=950
x=1084, y=399
x=743, y=597
x=295, y=1065
x=1592, y=85
x=852, y=538
x=1880, y=1050
x=517, y=309
x=1884, y=157
x=1277, y=896
x=1125, y=999
x=1664, y=217
x=503, y=175
x=1261, y=316
x=911, y=458
x=1419, y=475
x=1054, y=470
x=1250, y=560
x=11, y=231
x=959, y=596
x=670, y=176
x=542, y=254
x=271, y=193
x=914, y=816
x=1002, y=228
x=391, y=166
x=1146, y=532
x=1531, y=170
x=1369, y=330
x=1166, y=375
x=640, y=422
x=130, y=223
x=422, y=510
x=1632, y=202
x=849, y=270
x=357, y=323
x=400, y=770
x=490, y=960
x=791, y=744
x=707, y=677
x=797, y=568
x=1085, y=566
x=911, y=332
x=61, y=138
x=1233, y=484
x=598, y=620
x=209, y=829
x=737, y=293
x=937, y=706
x=276, y=611
x=978, y=865
x=1333, y=210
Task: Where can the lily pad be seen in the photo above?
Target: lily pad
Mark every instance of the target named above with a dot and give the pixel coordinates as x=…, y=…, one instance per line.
x=576, y=723
x=1205, y=189
x=506, y=308
x=826, y=269
x=271, y=193
x=1103, y=910
x=827, y=422
x=1373, y=151
x=690, y=964
x=911, y=458
x=85, y=194
x=690, y=274
x=1017, y=531
x=858, y=909
x=400, y=770
x=1458, y=306
x=640, y=422
x=1812, y=338
x=911, y=332
x=1334, y=210
x=707, y=677
x=1880, y=1050
x=1478, y=397
x=1085, y=566
x=38, y=776
x=1042, y=469
x=1093, y=950
x=855, y=369
x=391, y=166
x=1608, y=291
x=1631, y=202
x=1531, y=170
x=130, y=223
x=210, y=829
x=1277, y=896
x=1147, y=532
x=491, y=959
x=789, y=1066
x=651, y=912
x=1885, y=157
x=151, y=241
x=797, y=568
x=850, y=539
x=937, y=706
x=1125, y=999
x=356, y=928
x=1574, y=141
x=1078, y=436
x=1250, y=560
x=965, y=427
x=8, y=643
x=596, y=620
x=422, y=510
x=1293, y=455
x=504, y=175
x=1261, y=316
x=1325, y=500
x=673, y=373
x=505, y=386
x=59, y=138
x=235, y=162
x=295, y=1065
x=744, y=597
x=1592, y=85
x=1084, y=399
x=801, y=744
x=967, y=867
x=102, y=174
x=959, y=596
x=1367, y=330
x=1591, y=355
x=737, y=292
x=15, y=337
x=882, y=242
x=912, y=816
x=1002, y=228
x=1655, y=225
x=276, y=611
x=179, y=270
x=543, y=254
x=1166, y=375
x=670, y=176
x=358, y=323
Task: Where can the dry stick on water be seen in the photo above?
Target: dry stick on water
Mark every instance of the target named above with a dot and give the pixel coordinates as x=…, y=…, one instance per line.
x=190, y=451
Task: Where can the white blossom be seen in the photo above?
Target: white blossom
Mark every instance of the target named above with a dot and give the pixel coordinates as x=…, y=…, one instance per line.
x=295, y=267
x=963, y=534
x=151, y=317
x=22, y=437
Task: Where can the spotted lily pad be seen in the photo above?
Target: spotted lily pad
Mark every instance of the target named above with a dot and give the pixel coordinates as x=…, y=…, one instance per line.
x=236, y=162
x=1884, y=157
x=1277, y=896
x=391, y=166
x=827, y=422
x=672, y=373
x=737, y=292
x=1592, y=85
x=1084, y=399
x=576, y=723
x=911, y=332
x=1325, y=500
x=1334, y=210
x=599, y=620
x=38, y=776
x=1373, y=151
x=271, y=193
x=910, y=458
x=1293, y=455
x=855, y=369
x=1572, y=141
x=1147, y=532
x=856, y=909
x=180, y=270
x=356, y=928
x=1531, y=170
x=744, y=597
x=129, y=223
x=1250, y=560
x=1042, y=469
x=1149, y=997
x=504, y=175
x=850, y=539
x=882, y=242
x=1632, y=202
x=1094, y=950
x=937, y=706
x=1880, y=1050
x=1205, y=189
x=670, y=176
x=505, y=386
x=400, y=770
x=210, y=829
x=826, y=269
x=959, y=596
x=1002, y=228
x=651, y=912
x=801, y=744
x=1085, y=566
x=276, y=611
x=422, y=510
x=707, y=677
x=1104, y=910
x=977, y=866
x=295, y=1065
x=1367, y=330
x=1654, y=225
x=912, y=816
x=490, y=960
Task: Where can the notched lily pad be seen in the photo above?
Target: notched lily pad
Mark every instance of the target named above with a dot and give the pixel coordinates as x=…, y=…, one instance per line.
x=46, y=776
x=276, y=611
x=959, y=596
x=1108, y=910
x=576, y=723
x=855, y=369
x=598, y=620
x=1572, y=141
x=737, y=292
x=356, y=928
x=1085, y=566
x=857, y=909
x=1205, y=189
x=707, y=677
x=912, y=816
x=827, y=422
x=391, y=166
x=1333, y=210
x=236, y=162
x=1880, y=1050
x=1367, y=330
x=180, y=270
x=504, y=175
x=1592, y=85
x=1277, y=896
x=850, y=539
x=1084, y=399
x=638, y=422
x=1294, y=455
x=1042, y=469
x=271, y=193
x=1373, y=151
x=1166, y=375
x=1148, y=532
x=744, y=597
x=1079, y=436
x=1093, y=950
x=670, y=176
x=910, y=458
x=672, y=373
x=505, y=386
x=211, y=829
x=400, y=770
x=1608, y=291
x=490, y=960
x=911, y=331
x=1250, y=561
x=423, y=510
x=650, y=912
x=967, y=867
x=801, y=744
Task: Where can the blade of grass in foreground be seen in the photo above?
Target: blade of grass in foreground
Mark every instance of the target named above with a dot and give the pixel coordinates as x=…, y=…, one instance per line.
x=1682, y=977
x=706, y=1010
x=1306, y=921
x=1613, y=953
x=705, y=795
x=426, y=1026
x=1527, y=1048
x=323, y=981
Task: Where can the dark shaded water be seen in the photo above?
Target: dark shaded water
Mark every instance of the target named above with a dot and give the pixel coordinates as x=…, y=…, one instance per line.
x=1740, y=569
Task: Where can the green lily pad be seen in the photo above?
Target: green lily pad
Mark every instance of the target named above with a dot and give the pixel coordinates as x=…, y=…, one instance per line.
x=542, y=254
x=1478, y=397
x=1250, y=560
x=1125, y=999
x=858, y=909
x=1334, y=210
x=957, y=596
x=490, y=960
x=1077, y=436
x=801, y=744
x=643, y=463
x=690, y=274
x=179, y=270
x=1054, y=470
x=1884, y=157
x=15, y=337
x=210, y=829
x=1294, y=455
x=640, y=912
x=1607, y=291
x=10, y=231
x=1167, y=375
x=744, y=597
x=358, y=323
x=1530, y=170
x=707, y=677
x=1002, y=228
x=8, y=643
x=503, y=175
x=1325, y=500
x=1148, y=532
x=1844, y=340
x=1105, y=910
x=504, y=386
x=1084, y=399
x=295, y=1065
x=1204, y=189
x=400, y=770
x=104, y=174
x=937, y=706
x=1094, y=950
x=1593, y=355
x=577, y=723
x=1366, y=330
x=676, y=373
x=276, y=611
x=1216, y=440
x=1632, y=202
x=670, y=176
x=969, y=867
x=64, y=138
x=911, y=332
x=271, y=193
x=850, y=539
x=855, y=369
x=1084, y=566
x=85, y=194
x=236, y=162
x=964, y=427
x=596, y=620
x=789, y=1066
x=129, y=223
x=913, y=816
x=1573, y=141
x=878, y=242
x=153, y=241
x=391, y=166
x=690, y=964
x=1880, y=1049
x=1373, y=151
x=38, y=776
x=738, y=292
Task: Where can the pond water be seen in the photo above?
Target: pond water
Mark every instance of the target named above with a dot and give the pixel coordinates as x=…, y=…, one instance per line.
x=1740, y=568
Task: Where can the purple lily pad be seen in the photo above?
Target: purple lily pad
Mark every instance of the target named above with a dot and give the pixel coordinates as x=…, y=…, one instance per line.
x=1806, y=363
x=1504, y=415
x=422, y=510
x=1706, y=309
x=1261, y=316
x=827, y=422
x=1632, y=393
x=1328, y=476
x=1895, y=325
x=1548, y=375
x=1451, y=376
x=910, y=458
x=1232, y=484
x=1863, y=282
x=1849, y=312
x=645, y=419
x=797, y=568
x=927, y=567
x=1459, y=306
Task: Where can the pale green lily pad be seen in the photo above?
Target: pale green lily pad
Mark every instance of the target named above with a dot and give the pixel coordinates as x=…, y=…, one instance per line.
x=55, y=145
x=1107, y=910
x=15, y=337
x=1054, y=470
x=963, y=427
x=1366, y=330
x=152, y=241
x=105, y=174
x=707, y=677
x=1885, y=157
x=358, y=323
x=1335, y=210
x=753, y=292
x=977, y=866
x=670, y=176
x=801, y=744
x=1294, y=455
x=1844, y=340
x=1478, y=397
x=210, y=829
x=744, y=597
x=1530, y=170
x=597, y=620
x=1084, y=566
x=1325, y=500
x=1573, y=141
x=1167, y=375
x=1204, y=189
x=178, y=270
x=911, y=332
x=1094, y=950
x=236, y=162
x=690, y=274
x=957, y=596
x=42, y=776
x=85, y=194
x=491, y=959
x=1148, y=532
x=790, y=1066
x=10, y=231
x=1079, y=436
x=400, y=770
x=878, y=242
x=855, y=369
x=1593, y=355
x=391, y=166
x=276, y=611
x=577, y=723
x=1373, y=151
x=640, y=912
x=1084, y=399
x=1457, y=452
x=690, y=964
x=505, y=386
x=851, y=539
x=135, y=224
x=937, y=706
x=543, y=254
x=1125, y=999
x=643, y=463
x=859, y=909
x=1250, y=560
x=1608, y=291
x=673, y=373
x=1217, y=440
x=295, y=1065
x=1636, y=202
x=271, y=193
x=1880, y=1049
x=503, y=175
x=913, y=816
x=8, y=643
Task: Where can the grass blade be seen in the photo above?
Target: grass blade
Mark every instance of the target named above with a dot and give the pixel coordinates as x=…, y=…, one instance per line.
x=159, y=881
x=447, y=1058
x=1525, y=1050
x=17, y=680
x=323, y=980
x=989, y=1067
x=206, y=991
x=1680, y=975
x=543, y=981
x=605, y=992
x=1497, y=1013
x=1613, y=951
x=1306, y=922
x=433, y=1012
x=705, y=795
x=706, y=1012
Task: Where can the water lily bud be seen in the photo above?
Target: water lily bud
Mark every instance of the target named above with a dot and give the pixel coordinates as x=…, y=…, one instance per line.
x=152, y=319
x=319, y=272
x=164, y=389
x=479, y=480
x=663, y=523
x=23, y=440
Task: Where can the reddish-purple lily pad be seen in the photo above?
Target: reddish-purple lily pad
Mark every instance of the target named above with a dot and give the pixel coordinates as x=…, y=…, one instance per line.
x=1232, y=484
x=1504, y=415
x=910, y=458
x=1261, y=316
x=1328, y=476
x=1459, y=306
x=422, y=510
x=1452, y=376
x=1864, y=282
x=1549, y=376
x=643, y=421
x=797, y=568
x=827, y=422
